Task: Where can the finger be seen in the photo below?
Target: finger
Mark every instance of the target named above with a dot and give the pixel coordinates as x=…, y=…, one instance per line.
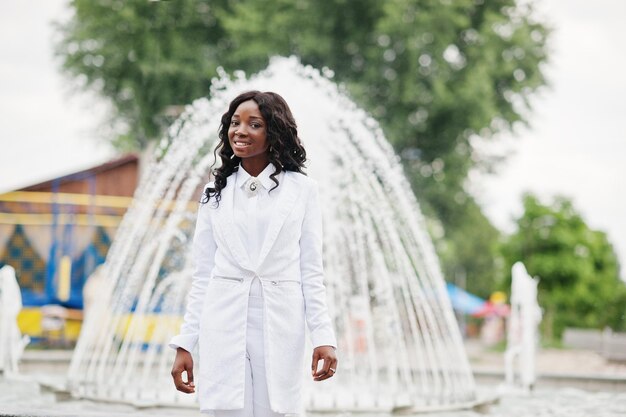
x=326, y=368
x=322, y=370
x=333, y=368
x=332, y=363
x=316, y=359
x=190, y=375
x=178, y=382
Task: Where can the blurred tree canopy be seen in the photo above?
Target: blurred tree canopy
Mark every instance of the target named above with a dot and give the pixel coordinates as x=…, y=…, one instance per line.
x=577, y=267
x=435, y=73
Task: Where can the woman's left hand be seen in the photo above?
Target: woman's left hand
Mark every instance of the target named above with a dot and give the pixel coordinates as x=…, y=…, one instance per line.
x=327, y=353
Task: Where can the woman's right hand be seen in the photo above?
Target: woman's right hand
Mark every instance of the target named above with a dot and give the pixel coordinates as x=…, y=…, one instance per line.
x=183, y=362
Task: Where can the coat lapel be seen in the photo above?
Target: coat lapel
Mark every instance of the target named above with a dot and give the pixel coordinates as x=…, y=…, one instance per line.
x=226, y=223
x=284, y=204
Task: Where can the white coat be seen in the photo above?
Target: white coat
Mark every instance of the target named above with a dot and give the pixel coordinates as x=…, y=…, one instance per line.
x=291, y=273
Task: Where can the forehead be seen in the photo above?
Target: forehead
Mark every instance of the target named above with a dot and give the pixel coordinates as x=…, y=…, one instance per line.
x=248, y=108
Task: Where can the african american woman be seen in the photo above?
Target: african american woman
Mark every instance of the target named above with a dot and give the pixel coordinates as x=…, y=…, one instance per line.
x=258, y=277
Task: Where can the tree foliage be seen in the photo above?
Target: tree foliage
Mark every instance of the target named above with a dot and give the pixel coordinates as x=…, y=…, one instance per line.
x=469, y=253
x=578, y=270
x=433, y=72
x=143, y=56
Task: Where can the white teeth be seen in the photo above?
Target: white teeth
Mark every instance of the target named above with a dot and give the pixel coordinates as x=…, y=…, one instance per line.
x=241, y=144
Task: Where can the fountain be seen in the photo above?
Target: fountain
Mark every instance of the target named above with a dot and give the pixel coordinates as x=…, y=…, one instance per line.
x=522, y=330
x=399, y=344
x=12, y=343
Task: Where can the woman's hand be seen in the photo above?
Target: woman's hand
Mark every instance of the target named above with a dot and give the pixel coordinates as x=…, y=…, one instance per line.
x=183, y=362
x=327, y=353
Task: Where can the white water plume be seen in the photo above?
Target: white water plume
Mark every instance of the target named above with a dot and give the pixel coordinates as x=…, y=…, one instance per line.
x=399, y=344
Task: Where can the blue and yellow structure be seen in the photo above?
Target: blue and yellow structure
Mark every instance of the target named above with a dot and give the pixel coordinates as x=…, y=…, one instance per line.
x=56, y=233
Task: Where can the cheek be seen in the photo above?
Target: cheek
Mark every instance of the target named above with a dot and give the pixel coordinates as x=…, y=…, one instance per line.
x=263, y=137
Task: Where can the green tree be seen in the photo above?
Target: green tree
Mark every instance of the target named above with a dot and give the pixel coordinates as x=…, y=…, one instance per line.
x=435, y=73
x=578, y=270
x=469, y=253
x=142, y=56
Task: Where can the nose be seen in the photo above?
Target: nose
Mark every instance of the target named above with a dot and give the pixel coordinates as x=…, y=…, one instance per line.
x=240, y=131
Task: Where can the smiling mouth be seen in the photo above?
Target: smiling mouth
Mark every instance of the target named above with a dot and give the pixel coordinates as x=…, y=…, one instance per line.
x=241, y=144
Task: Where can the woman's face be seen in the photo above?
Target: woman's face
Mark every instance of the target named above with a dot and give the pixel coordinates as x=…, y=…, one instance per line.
x=247, y=131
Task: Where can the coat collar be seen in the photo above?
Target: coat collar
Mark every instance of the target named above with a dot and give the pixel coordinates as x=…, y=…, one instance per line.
x=264, y=177
x=225, y=221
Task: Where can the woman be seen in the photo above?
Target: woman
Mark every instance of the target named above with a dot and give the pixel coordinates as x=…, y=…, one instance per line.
x=258, y=270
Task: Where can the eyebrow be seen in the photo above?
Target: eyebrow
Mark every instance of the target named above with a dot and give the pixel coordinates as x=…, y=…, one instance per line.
x=252, y=117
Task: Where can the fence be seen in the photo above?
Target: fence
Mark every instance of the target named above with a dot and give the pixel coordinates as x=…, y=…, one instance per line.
x=611, y=345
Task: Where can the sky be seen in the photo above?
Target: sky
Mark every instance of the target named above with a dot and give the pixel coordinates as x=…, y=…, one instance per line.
x=575, y=145
x=45, y=129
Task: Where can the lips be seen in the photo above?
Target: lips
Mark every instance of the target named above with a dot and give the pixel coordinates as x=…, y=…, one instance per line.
x=241, y=144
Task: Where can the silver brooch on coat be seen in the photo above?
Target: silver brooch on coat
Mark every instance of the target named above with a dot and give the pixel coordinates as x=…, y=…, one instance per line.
x=251, y=186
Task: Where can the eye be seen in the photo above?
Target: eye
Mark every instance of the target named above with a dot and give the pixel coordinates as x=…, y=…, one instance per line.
x=234, y=123
x=255, y=125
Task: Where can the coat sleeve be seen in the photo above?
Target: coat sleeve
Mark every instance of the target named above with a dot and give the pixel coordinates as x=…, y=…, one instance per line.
x=203, y=251
x=312, y=274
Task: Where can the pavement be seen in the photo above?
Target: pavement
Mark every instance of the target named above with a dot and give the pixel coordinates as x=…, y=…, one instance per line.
x=549, y=361
x=20, y=396
x=555, y=368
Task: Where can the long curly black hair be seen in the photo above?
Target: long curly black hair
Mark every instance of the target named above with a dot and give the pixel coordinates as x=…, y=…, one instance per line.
x=285, y=148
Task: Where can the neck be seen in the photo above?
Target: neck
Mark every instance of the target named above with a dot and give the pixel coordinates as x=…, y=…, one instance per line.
x=255, y=166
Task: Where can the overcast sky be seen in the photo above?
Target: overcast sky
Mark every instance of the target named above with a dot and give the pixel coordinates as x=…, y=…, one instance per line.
x=575, y=146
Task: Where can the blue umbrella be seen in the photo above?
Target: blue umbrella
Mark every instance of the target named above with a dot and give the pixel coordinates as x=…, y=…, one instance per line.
x=462, y=301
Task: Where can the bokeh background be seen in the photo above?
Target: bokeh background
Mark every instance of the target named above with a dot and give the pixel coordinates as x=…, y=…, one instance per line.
x=508, y=116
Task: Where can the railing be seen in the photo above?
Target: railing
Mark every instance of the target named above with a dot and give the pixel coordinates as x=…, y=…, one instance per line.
x=611, y=345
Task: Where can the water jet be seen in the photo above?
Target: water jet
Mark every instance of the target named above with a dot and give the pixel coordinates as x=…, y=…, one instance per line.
x=399, y=343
